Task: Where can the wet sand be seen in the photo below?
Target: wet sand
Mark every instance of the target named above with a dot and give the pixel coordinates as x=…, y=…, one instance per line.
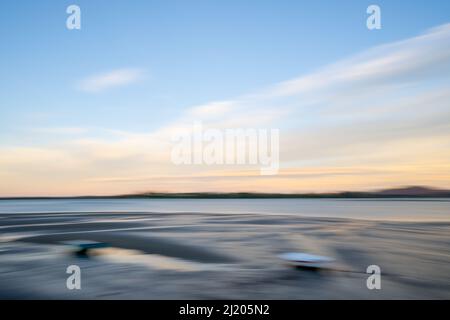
x=219, y=256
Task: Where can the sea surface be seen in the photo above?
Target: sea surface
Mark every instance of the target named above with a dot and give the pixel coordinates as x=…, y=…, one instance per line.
x=417, y=209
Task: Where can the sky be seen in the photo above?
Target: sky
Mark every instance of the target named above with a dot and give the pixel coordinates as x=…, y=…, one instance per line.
x=92, y=111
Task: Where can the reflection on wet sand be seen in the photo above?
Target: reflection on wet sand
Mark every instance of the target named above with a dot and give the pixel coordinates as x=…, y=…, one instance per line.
x=220, y=256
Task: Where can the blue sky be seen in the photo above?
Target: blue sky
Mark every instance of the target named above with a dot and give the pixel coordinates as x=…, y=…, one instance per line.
x=184, y=54
x=192, y=52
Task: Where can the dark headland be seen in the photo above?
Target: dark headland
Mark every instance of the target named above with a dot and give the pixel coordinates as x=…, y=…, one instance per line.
x=402, y=192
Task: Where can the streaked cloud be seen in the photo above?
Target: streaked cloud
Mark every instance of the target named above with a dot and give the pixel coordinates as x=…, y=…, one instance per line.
x=112, y=79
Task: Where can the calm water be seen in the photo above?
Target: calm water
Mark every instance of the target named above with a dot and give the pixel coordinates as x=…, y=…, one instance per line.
x=374, y=209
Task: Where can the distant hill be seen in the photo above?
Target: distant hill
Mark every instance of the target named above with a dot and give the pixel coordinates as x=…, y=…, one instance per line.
x=413, y=191
x=403, y=192
x=417, y=191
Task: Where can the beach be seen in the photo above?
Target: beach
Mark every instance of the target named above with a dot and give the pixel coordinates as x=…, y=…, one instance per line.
x=188, y=255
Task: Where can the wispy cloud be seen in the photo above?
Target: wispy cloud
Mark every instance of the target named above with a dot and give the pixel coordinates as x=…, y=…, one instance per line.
x=111, y=79
x=61, y=130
